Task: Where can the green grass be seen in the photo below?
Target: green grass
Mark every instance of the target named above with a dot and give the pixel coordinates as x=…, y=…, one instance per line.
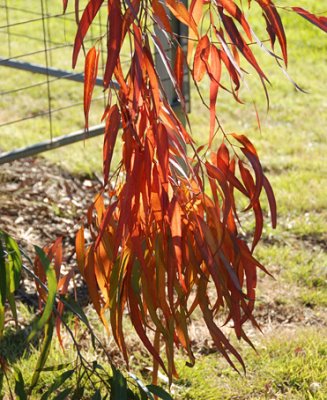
x=289, y=366
x=292, y=146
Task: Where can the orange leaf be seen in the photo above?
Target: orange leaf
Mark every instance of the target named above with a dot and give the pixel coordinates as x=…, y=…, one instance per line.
x=90, y=75
x=88, y=16
x=235, y=12
x=90, y=278
x=240, y=43
x=179, y=67
x=160, y=13
x=176, y=233
x=215, y=74
x=110, y=135
x=179, y=10
x=80, y=250
x=200, y=58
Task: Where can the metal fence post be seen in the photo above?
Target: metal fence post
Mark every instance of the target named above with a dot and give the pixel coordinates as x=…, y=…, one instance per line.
x=181, y=32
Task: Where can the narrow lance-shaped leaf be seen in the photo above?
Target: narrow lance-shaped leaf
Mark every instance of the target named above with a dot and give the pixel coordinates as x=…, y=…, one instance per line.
x=275, y=24
x=118, y=385
x=160, y=392
x=321, y=21
x=179, y=67
x=52, y=289
x=215, y=74
x=232, y=8
x=13, y=271
x=90, y=75
x=88, y=16
x=200, y=58
x=44, y=353
x=110, y=135
x=161, y=14
x=241, y=45
x=20, y=387
x=179, y=10
x=64, y=4
x=114, y=40
x=3, y=288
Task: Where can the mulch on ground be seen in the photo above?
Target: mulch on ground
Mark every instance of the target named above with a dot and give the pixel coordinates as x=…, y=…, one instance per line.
x=40, y=202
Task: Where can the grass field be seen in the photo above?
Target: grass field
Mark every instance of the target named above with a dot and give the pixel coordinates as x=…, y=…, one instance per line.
x=292, y=351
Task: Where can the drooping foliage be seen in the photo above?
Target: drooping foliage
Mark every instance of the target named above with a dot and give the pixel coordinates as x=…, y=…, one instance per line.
x=164, y=233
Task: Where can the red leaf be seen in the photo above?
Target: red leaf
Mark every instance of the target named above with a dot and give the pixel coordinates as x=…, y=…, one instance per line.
x=246, y=143
x=163, y=155
x=161, y=14
x=321, y=22
x=179, y=67
x=251, y=154
x=114, y=40
x=137, y=323
x=200, y=58
x=88, y=16
x=65, y=4
x=240, y=43
x=271, y=201
x=90, y=75
x=236, y=13
x=274, y=23
x=249, y=183
x=215, y=74
x=176, y=233
x=90, y=279
x=196, y=10
x=179, y=10
x=154, y=84
x=80, y=250
x=230, y=68
x=110, y=135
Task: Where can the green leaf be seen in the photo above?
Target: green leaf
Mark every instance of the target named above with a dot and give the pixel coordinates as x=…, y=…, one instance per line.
x=1, y=383
x=20, y=385
x=13, y=272
x=3, y=290
x=10, y=273
x=15, y=257
x=57, y=383
x=58, y=367
x=78, y=394
x=118, y=386
x=160, y=392
x=97, y=395
x=132, y=395
x=144, y=391
x=78, y=311
x=52, y=289
x=45, y=349
x=64, y=394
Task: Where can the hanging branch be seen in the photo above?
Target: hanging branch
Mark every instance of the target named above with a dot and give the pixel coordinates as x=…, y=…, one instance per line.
x=165, y=246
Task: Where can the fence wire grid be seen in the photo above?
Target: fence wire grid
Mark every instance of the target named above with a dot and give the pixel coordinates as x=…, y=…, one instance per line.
x=40, y=94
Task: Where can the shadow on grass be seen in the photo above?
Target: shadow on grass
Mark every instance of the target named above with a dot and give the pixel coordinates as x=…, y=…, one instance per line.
x=14, y=345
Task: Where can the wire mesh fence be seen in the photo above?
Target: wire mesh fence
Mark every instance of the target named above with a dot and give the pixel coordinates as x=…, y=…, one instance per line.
x=40, y=95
